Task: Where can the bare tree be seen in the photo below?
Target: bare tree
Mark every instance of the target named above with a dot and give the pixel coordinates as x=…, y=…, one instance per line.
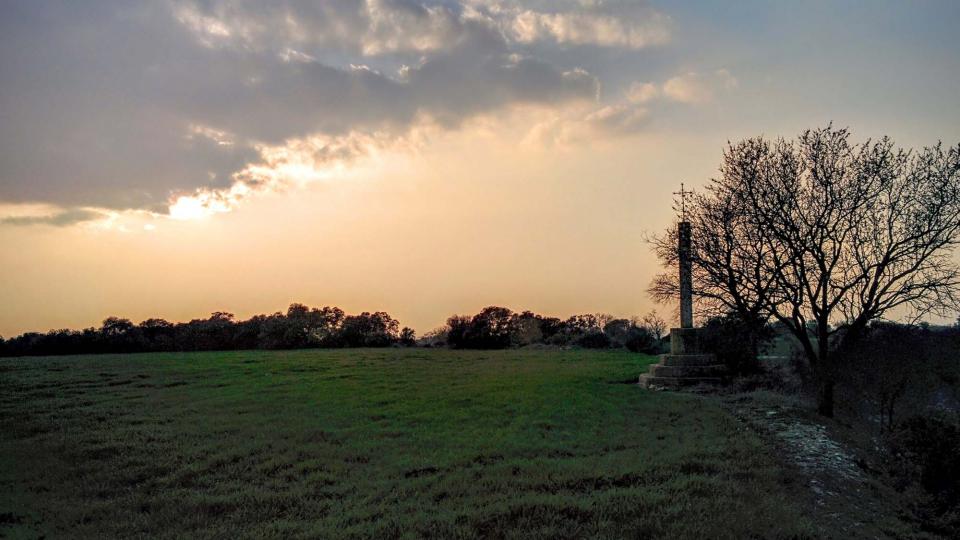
x=729, y=255
x=654, y=324
x=825, y=236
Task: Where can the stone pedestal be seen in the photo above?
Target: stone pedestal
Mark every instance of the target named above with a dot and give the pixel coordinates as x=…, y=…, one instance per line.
x=686, y=364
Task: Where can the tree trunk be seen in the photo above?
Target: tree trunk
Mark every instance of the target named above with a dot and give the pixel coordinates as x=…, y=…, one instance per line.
x=825, y=397
x=825, y=371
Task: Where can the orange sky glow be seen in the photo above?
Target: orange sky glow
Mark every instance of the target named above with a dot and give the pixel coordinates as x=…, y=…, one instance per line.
x=433, y=162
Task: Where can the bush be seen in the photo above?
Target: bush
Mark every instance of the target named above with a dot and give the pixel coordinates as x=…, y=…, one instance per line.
x=924, y=459
x=593, y=340
x=641, y=340
x=734, y=342
x=888, y=373
x=630, y=335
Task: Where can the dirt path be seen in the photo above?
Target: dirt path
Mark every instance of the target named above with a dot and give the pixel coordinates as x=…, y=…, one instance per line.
x=841, y=495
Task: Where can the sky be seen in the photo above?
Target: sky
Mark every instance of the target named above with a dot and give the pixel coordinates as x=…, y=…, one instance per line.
x=173, y=158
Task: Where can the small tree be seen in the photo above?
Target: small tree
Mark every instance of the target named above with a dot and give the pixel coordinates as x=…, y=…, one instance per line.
x=408, y=337
x=654, y=324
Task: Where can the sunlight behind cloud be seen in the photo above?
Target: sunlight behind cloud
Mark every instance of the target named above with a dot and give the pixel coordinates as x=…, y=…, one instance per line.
x=187, y=207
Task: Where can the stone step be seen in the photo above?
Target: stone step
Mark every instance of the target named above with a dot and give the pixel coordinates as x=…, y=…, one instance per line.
x=688, y=359
x=676, y=382
x=659, y=370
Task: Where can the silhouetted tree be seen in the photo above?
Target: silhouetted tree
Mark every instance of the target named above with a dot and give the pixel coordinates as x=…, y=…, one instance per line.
x=491, y=328
x=117, y=335
x=824, y=234
x=457, y=328
x=408, y=338
x=526, y=328
x=324, y=324
x=369, y=330
x=300, y=326
x=550, y=327
x=157, y=334
x=655, y=325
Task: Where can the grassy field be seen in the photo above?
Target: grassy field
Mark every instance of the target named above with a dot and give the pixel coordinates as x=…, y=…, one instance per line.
x=374, y=443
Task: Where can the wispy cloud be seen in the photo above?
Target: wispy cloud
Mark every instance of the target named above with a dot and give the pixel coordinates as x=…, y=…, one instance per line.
x=379, y=27
x=599, y=29
x=58, y=218
x=690, y=87
x=693, y=87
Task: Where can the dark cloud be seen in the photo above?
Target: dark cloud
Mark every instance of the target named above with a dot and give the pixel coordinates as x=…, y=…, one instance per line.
x=114, y=106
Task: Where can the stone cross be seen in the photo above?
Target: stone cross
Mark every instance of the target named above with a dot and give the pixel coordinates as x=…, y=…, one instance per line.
x=688, y=363
x=686, y=265
x=682, y=194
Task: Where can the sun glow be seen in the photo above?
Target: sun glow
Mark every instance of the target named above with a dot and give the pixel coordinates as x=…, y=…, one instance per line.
x=199, y=206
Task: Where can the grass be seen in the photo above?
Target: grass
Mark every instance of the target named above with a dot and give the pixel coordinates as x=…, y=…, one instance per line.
x=375, y=443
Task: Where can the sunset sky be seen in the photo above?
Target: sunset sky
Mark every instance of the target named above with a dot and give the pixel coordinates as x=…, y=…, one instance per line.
x=174, y=158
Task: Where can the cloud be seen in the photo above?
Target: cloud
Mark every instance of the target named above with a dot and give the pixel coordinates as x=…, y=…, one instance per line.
x=294, y=163
x=60, y=218
x=577, y=125
x=218, y=136
x=632, y=113
x=622, y=118
x=123, y=108
x=690, y=88
x=642, y=92
x=378, y=27
x=370, y=27
x=172, y=107
x=693, y=87
x=591, y=29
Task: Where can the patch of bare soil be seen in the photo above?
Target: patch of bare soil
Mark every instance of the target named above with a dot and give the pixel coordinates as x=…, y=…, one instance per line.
x=842, y=496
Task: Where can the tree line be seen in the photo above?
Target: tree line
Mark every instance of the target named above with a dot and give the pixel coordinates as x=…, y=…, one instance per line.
x=299, y=328
x=302, y=327
x=497, y=327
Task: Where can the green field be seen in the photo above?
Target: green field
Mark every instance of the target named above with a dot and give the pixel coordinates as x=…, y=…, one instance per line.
x=375, y=443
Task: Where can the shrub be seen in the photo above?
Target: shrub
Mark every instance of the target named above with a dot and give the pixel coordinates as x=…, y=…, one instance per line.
x=924, y=459
x=888, y=373
x=640, y=339
x=734, y=342
x=593, y=340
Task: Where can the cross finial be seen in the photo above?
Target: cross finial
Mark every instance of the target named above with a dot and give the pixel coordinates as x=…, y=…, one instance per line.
x=683, y=201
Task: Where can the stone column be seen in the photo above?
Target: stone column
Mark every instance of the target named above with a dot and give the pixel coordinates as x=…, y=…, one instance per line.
x=686, y=277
